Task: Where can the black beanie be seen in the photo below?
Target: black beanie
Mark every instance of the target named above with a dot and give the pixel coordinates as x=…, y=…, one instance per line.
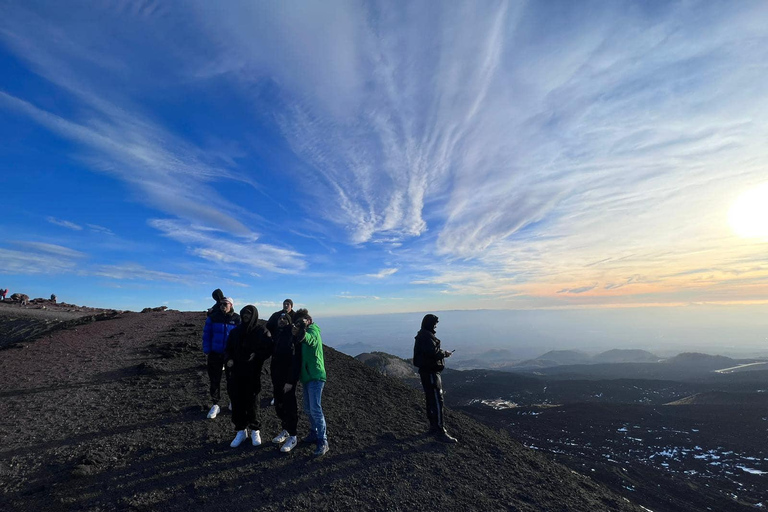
x=217, y=295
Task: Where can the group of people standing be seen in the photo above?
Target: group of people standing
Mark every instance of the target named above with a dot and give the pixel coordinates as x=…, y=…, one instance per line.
x=238, y=346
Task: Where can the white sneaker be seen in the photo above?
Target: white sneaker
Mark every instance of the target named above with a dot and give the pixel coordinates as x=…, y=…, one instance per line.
x=230, y=406
x=290, y=444
x=272, y=402
x=239, y=438
x=281, y=437
x=255, y=437
x=213, y=412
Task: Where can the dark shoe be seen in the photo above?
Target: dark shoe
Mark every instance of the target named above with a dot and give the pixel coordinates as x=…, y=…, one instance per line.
x=445, y=437
x=322, y=449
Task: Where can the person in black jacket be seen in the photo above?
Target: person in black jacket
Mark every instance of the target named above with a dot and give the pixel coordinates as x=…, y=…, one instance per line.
x=272, y=322
x=429, y=358
x=249, y=345
x=285, y=369
x=218, y=296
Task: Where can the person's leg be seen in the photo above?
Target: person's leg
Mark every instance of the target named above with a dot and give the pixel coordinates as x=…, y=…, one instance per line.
x=312, y=429
x=438, y=392
x=215, y=363
x=290, y=411
x=238, y=395
x=277, y=393
x=254, y=395
x=427, y=382
x=315, y=388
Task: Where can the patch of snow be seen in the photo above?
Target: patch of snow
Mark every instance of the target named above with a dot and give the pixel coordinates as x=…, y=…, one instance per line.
x=751, y=471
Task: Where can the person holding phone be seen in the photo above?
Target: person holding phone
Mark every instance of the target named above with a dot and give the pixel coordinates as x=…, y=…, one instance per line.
x=429, y=358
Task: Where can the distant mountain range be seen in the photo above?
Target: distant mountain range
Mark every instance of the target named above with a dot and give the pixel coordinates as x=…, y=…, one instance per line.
x=504, y=359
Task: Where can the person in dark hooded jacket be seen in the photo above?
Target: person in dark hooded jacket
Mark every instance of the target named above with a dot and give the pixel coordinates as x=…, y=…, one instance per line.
x=249, y=345
x=429, y=358
x=218, y=296
x=285, y=369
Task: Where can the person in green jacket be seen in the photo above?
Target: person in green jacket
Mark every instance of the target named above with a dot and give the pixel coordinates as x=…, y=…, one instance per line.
x=312, y=377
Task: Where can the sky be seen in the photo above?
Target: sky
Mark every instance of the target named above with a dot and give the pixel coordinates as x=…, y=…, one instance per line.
x=385, y=157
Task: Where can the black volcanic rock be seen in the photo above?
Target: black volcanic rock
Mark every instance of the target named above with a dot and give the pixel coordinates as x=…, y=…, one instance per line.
x=111, y=416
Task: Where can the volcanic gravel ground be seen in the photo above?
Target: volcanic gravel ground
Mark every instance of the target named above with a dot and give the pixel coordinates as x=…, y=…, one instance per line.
x=110, y=415
x=19, y=323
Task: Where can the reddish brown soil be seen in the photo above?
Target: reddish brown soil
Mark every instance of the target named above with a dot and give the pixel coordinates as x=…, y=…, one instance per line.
x=110, y=415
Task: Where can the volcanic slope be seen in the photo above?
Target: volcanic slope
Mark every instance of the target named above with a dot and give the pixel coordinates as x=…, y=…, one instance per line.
x=111, y=416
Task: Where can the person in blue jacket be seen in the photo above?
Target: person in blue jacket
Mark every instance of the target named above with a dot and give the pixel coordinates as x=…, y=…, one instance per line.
x=218, y=325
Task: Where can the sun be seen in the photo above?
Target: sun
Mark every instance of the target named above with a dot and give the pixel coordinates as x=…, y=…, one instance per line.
x=748, y=216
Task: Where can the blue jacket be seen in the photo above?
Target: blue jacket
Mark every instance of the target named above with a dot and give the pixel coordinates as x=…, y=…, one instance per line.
x=216, y=331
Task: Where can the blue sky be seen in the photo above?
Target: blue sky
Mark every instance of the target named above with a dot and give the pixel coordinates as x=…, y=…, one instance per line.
x=365, y=157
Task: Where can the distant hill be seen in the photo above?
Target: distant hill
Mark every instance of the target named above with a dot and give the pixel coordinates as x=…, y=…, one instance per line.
x=626, y=356
x=351, y=349
x=389, y=365
x=495, y=358
x=566, y=357
x=724, y=398
x=701, y=361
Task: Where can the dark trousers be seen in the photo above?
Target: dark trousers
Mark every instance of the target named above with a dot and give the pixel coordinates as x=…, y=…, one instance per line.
x=244, y=391
x=433, y=391
x=285, y=403
x=215, y=365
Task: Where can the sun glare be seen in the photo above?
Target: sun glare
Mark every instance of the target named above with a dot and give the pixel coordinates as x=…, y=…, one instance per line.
x=749, y=214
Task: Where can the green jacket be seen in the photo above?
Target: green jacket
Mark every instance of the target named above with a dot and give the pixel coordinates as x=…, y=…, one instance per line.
x=312, y=362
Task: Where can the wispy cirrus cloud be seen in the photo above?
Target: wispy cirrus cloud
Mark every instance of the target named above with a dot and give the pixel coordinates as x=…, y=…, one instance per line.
x=218, y=246
x=13, y=262
x=64, y=223
x=136, y=272
x=349, y=296
x=53, y=249
x=385, y=272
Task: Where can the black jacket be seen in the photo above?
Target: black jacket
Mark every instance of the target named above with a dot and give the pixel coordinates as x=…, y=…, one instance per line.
x=427, y=354
x=272, y=322
x=248, y=346
x=286, y=357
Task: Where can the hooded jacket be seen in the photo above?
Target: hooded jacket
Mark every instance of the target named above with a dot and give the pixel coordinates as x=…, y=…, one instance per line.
x=249, y=345
x=216, y=331
x=218, y=296
x=427, y=354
